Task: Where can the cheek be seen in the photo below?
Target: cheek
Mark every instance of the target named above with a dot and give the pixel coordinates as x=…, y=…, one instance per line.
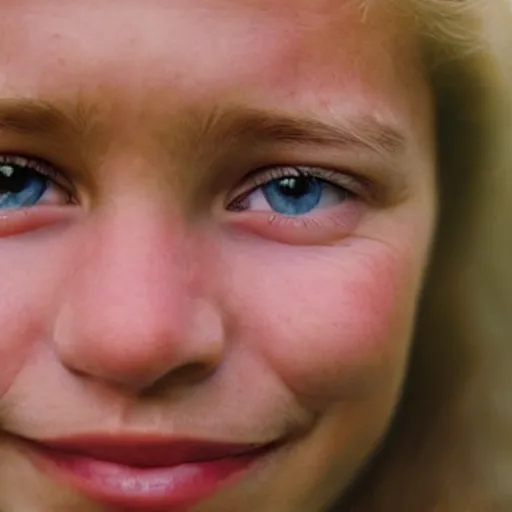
x=334, y=323
x=31, y=270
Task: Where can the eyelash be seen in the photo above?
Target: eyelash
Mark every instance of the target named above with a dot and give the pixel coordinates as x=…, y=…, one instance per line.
x=43, y=168
x=354, y=187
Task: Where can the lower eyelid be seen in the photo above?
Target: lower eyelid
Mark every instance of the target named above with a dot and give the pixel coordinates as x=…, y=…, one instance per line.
x=18, y=221
x=322, y=227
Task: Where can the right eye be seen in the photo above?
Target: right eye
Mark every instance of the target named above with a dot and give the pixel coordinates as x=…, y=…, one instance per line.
x=26, y=182
x=293, y=191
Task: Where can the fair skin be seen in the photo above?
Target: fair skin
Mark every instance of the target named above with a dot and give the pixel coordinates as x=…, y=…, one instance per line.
x=170, y=296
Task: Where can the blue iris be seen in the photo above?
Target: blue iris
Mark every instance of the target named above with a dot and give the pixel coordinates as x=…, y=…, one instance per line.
x=20, y=186
x=294, y=195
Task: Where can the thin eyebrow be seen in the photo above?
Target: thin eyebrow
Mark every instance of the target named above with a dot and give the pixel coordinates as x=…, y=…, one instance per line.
x=262, y=126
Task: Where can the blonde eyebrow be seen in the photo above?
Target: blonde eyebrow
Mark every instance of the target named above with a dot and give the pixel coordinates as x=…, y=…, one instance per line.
x=35, y=117
x=39, y=117
x=271, y=127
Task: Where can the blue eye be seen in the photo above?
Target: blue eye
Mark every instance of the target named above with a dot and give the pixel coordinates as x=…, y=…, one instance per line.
x=293, y=193
x=24, y=183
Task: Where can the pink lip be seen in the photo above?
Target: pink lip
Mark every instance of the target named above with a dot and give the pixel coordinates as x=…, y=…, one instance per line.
x=140, y=473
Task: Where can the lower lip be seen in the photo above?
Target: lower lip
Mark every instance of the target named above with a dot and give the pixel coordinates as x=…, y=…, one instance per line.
x=169, y=489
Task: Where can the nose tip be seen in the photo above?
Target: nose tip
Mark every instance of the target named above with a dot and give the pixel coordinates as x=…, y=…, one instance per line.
x=137, y=352
x=137, y=308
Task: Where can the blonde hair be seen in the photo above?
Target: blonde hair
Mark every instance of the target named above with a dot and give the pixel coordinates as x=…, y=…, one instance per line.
x=450, y=446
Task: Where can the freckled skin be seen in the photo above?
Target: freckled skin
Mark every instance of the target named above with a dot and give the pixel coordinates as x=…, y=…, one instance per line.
x=143, y=287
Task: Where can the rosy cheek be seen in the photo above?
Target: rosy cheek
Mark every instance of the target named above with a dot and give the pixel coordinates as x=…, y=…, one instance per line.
x=333, y=324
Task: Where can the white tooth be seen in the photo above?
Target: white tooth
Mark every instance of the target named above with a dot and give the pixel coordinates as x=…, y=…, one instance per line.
x=129, y=484
x=151, y=482
x=159, y=482
x=145, y=485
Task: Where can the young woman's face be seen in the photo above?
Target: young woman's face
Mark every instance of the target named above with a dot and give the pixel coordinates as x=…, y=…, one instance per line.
x=215, y=216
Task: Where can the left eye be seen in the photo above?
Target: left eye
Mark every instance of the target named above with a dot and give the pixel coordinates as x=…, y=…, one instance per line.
x=294, y=194
x=25, y=183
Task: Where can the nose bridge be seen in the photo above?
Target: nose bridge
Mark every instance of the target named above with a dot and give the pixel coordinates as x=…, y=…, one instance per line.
x=141, y=259
x=128, y=311
x=142, y=247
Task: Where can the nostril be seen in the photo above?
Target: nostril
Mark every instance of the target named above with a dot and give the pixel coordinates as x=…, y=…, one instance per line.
x=138, y=340
x=180, y=378
x=190, y=373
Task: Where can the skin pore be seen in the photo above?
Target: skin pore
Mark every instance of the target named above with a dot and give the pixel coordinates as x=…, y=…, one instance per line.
x=155, y=288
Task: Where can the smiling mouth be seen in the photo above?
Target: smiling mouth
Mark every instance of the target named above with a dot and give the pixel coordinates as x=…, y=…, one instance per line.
x=140, y=473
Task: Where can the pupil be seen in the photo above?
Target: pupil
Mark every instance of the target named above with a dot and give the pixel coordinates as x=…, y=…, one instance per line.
x=12, y=180
x=294, y=187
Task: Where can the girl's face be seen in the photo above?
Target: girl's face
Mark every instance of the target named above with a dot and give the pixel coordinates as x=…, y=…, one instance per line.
x=215, y=217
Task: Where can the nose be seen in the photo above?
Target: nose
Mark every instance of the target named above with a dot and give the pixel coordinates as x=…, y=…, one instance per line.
x=134, y=310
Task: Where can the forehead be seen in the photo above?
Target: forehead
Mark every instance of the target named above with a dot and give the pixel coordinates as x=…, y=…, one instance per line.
x=248, y=33
x=321, y=55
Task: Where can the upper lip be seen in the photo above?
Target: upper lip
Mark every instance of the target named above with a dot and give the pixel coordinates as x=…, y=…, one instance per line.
x=145, y=451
